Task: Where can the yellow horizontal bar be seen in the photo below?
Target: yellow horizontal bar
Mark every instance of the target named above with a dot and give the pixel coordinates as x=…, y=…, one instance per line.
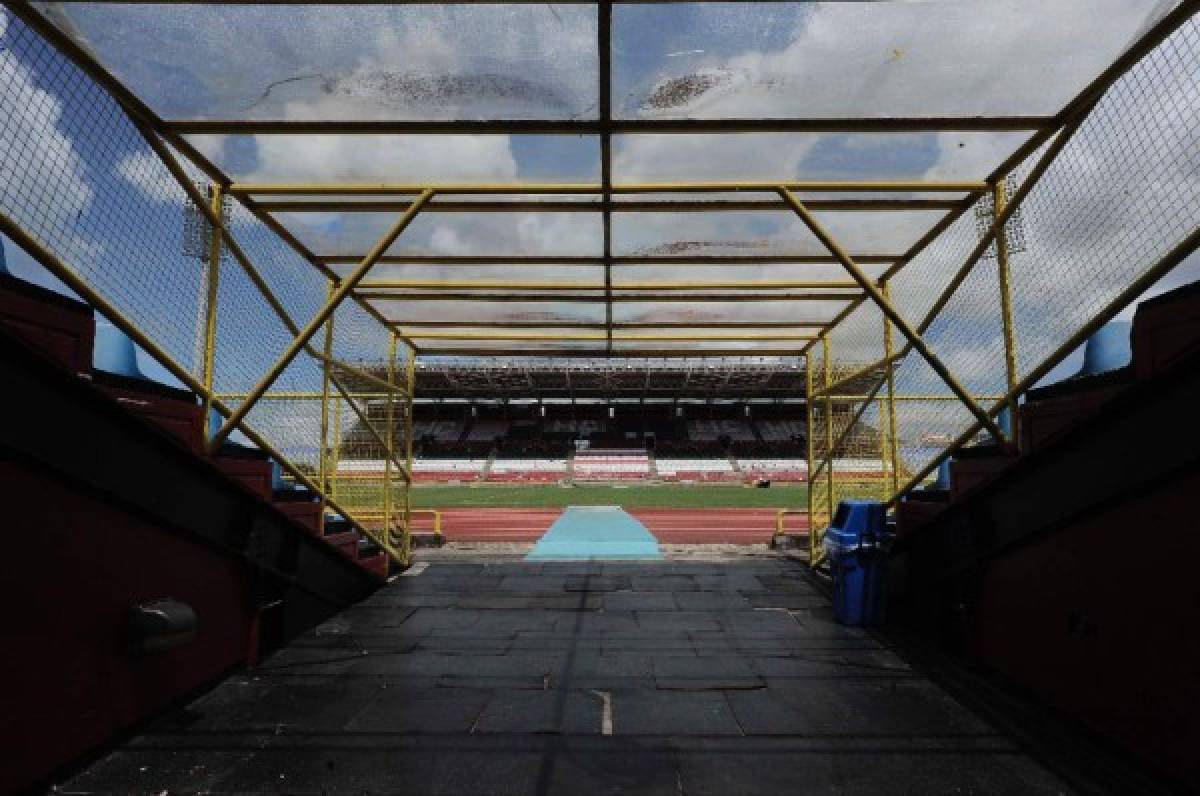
x=599, y=206
x=630, y=286
x=616, y=337
x=585, y=188
x=684, y=260
x=649, y=298
x=931, y=397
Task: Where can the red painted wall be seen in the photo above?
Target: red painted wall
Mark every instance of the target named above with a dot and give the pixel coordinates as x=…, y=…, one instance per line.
x=1100, y=621
x=72, y=566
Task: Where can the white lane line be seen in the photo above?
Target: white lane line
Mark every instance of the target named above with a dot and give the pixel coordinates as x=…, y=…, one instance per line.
x=415, y=569
x=606, y=722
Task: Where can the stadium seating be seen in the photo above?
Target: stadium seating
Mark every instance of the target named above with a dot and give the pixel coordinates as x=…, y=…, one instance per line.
x=612, y=464
x=716, y=429
x=696, y=470
x=442, y=430
x=780, y=430
x=775, y=469
x=487, y=430
x=435, y=470
x=528, y=470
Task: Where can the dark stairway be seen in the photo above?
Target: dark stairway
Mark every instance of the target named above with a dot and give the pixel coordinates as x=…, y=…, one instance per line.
x=111, y=503
x=493, y=676
x=1067, y=573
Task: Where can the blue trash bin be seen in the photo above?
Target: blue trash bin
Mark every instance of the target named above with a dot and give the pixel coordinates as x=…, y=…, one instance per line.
x=854, y=543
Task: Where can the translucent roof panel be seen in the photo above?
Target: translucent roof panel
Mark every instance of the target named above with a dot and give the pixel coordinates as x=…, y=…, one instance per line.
x=766, y=233
x=403, y=158
x=426, y=61
x=727, y=311
x=500, y=276
x=492, y=234
x=548, y=312
x=812, y=156
x=750, y=274
x=838, y=59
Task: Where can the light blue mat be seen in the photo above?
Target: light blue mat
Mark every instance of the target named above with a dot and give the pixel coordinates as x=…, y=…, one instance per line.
x=588, y=533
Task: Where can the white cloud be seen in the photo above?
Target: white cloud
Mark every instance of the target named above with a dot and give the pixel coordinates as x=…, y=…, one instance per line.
x=40, y=158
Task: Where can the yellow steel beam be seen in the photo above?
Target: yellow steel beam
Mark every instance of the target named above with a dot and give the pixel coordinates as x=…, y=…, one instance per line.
x=616, y=338
x=600, y=299
x=210, y=309
x=619, y=260
x=80, y=287
x=588, y=188
x=475, y=324
x=892, y=455
x=808, y=449
x=326, y=473
x=393, y=284
x=599, y=126
x=343, y=290
x=410, y=383
x=999, y=200
x=868, y=286
x=598, y=206
x=633, y=353
x=1126, y=297
x=389, y=446
x=217, y=224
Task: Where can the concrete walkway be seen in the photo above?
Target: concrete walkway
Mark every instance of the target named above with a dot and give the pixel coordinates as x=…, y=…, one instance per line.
x=495, y=675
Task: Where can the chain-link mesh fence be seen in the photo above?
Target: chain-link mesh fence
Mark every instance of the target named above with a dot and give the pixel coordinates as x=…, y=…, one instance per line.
x=78, y=177
x=1123, y=192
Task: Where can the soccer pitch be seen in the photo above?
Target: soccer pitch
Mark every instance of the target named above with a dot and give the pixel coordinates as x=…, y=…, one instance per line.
x=684, y=496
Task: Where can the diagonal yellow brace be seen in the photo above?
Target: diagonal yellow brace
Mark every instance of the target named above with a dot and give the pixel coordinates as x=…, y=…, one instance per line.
x=885, y=306
x=343, y=290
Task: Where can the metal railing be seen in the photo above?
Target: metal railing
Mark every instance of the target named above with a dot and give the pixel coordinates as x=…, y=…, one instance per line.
x=1074, y=227
x=1096, y=205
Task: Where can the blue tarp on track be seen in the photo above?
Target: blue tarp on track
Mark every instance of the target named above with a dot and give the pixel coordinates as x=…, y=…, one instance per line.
x=586, y=533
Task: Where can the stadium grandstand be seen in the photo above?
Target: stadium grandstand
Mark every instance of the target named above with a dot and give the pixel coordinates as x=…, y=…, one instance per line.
x=600, y=396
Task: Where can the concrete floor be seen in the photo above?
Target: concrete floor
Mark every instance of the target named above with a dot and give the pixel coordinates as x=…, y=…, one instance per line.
x=721, y=674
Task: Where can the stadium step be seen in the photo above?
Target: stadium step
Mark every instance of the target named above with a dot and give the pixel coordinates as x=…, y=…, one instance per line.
x=248, y=466
x=174, y=410
x=1055, y=574
x=60, y=327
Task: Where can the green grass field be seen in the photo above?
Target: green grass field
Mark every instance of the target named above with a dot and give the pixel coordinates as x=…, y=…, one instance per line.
x=442, y=496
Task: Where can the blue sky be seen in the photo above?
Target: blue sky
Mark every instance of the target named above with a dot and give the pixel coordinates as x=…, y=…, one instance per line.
x=782, y=59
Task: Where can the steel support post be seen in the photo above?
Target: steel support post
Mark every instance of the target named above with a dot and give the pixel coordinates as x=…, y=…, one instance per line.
x=999, y=200
x=830, y=503
x=410, y=381
x=335, y=447
x=389, y=436
x=326, y=479
x=868, y=286
x=892, y=455
x=217, y=198
x=343, y=290
x=808, y=439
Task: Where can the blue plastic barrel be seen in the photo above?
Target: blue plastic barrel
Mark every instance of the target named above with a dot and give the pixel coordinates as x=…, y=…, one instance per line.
x=854, y=546
x=1107, y=349
x=114, y=352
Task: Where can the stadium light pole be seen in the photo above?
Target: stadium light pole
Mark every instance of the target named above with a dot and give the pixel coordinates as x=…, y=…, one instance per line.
x=868, y=286
x=343, y=290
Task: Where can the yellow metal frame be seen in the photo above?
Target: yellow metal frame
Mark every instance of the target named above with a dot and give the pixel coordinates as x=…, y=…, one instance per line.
x=165, y=138
x=999, y=202
x=437, y=520
x=216, y=193
x=781, y=513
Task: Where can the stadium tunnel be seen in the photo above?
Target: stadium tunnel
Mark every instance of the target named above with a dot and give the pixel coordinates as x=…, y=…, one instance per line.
x=451, y=422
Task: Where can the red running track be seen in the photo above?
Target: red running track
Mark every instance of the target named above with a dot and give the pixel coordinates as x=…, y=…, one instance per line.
x=670, y=526
x=715, y=526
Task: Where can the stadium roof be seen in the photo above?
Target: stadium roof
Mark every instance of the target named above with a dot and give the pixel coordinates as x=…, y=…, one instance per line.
x=611, y=379
x=657, y=178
